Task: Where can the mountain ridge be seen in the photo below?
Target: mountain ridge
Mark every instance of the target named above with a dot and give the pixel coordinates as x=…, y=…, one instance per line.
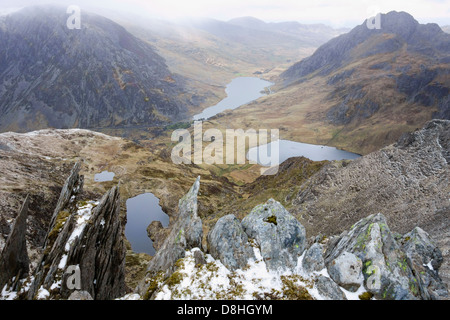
x=360, y=91
x=99, y=76
x=333, y=54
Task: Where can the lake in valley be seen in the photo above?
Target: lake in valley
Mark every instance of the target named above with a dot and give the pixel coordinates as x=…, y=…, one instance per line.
x=141, y=211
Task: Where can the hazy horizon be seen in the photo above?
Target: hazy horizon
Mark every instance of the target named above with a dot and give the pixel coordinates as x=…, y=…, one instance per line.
x=337, y=14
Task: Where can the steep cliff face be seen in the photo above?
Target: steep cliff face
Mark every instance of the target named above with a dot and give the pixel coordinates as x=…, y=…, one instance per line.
x=408, y=182
x=267, y=256
x=14, y=261
x=97, y=76
x=83, y=255
x=397, y=54
x=397, y=30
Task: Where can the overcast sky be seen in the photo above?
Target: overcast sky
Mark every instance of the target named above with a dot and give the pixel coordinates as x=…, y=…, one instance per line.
x=337, y=13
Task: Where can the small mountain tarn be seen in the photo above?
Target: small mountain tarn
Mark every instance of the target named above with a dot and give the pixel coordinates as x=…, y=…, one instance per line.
x=142, y=210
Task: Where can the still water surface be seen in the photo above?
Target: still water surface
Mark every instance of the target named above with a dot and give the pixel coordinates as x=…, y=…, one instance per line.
x=141, y=211
x=240, y=91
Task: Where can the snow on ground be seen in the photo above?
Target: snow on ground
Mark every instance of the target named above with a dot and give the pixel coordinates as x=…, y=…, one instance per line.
x=83, y=215
x=214, y=281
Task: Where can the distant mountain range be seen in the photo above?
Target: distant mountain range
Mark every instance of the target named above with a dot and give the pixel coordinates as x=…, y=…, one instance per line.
x=99, y=76
x=210, y=52
x=362, y=90
x=415, y=59
x=150, y=73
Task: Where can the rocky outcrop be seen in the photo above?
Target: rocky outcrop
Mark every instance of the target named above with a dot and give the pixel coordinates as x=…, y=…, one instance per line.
x=100, y=250
x=425, y=259
x=228, y=242
x=186, y=233
x=14, y=261
x=87, y=248
x=408, y=182
x=72, y=187
x=368, y=261
x=84, y=251
x=279, y=235
x=369, y=253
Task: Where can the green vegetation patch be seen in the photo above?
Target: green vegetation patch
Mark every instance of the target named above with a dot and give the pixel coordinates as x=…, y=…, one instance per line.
x=272, y=219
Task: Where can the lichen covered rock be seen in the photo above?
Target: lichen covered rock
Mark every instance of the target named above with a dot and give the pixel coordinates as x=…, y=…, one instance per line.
x=280, y=236
x=386, y=268
x=425, y=259
x=228, y=242
x=313, y=259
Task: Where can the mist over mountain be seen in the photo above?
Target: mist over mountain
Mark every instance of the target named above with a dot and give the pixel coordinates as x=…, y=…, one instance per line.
x=98, y=76
x=87, y=123
x=402, y=66
x=254, y=32
x=361, y=90
x=398, y=30
x=211, y=52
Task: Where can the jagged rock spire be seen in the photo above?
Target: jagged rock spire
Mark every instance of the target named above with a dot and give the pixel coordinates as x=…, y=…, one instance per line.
x=14, y=261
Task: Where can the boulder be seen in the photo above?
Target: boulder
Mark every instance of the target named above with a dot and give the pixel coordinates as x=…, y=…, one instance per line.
x=329, y=289
x=313, y=259
x=425, y=259
x=346, y=270
x=386, y=271
x=279, y=235
x=228, y=242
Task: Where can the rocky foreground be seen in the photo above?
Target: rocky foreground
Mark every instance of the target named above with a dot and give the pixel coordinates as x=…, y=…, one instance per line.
x=267, y=256
x=271, y=253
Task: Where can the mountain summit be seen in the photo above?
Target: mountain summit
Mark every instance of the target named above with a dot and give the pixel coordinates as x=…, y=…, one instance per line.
x=96, y=76
x=398, y=30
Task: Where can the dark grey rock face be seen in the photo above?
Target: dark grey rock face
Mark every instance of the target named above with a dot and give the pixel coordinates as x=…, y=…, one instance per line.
x=329, y=289
x=14, y=262
x=100, y=251
x=426, y=259
x=338, y=51
x=89, y=237
x=99, y=76
x=280, y=236
x=313, y=259
x=228, y=242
